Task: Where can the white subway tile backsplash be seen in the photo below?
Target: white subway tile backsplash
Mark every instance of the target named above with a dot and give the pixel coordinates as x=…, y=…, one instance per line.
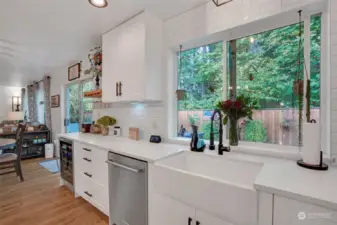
x=333, y=5
x=334, y=141
x=333, y=64
x=333, y=82
x=334, y=50
x=149, y=118
x=333, y=26
x=334, y=127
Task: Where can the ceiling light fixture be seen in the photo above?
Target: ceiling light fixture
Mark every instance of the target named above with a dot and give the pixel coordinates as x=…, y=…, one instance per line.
x=99, y=3
x=219, y=3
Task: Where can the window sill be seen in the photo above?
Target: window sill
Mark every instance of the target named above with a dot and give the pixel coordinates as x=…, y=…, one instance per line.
x=258, y=149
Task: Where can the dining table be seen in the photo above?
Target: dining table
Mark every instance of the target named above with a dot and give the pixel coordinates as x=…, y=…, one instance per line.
x=6, y=143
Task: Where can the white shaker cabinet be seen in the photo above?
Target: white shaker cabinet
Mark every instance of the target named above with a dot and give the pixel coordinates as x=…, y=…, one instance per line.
x=293, y=212
x=132, y=60
x=91, y=175
x=167, y=211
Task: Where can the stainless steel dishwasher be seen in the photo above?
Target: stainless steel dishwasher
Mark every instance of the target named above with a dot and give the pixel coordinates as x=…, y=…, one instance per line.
x=127, y=190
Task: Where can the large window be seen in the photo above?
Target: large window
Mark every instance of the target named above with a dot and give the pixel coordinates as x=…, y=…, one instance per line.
x=266, y=70
x=201, y=76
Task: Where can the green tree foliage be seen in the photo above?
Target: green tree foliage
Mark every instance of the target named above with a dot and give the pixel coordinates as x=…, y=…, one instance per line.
x=267, y=65
x=255, y=131
x=266, y=69
x=201, y=77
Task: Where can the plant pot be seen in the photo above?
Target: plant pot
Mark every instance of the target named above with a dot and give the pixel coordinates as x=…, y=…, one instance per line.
x=233, y=132
x=180, y=94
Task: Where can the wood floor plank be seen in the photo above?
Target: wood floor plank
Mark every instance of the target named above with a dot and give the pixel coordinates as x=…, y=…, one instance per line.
x=39, y=200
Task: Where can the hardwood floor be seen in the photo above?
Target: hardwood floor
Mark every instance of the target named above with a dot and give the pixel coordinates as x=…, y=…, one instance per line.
x=39, y=200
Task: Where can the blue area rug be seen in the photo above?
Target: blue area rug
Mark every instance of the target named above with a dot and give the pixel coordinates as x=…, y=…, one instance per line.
x=51, y=165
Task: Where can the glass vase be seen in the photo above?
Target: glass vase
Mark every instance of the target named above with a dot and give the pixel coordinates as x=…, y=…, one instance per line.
x=233, y=132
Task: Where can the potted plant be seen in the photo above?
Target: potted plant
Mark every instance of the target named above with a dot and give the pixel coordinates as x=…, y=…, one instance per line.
x=234, y=110
x=105, y=122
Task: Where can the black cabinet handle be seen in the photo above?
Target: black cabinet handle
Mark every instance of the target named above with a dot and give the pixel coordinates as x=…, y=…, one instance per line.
x=87, y=193
x=198, y=223
x=189, y=221
x=120, y=88
x=86, y=159
x=117, y=88
x=87, y=149
x=88, y=174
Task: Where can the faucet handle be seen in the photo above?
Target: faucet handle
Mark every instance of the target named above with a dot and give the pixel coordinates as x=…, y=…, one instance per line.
x=223, y=149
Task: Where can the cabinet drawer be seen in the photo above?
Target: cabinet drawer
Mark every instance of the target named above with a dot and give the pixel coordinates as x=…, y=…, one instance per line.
x=83, y=151
x=93, y=192
x=292, y=212
x=92, y=163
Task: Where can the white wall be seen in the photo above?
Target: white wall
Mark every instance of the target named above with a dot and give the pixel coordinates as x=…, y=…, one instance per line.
x=333, y=73
x=207, y=20
x=6, y=94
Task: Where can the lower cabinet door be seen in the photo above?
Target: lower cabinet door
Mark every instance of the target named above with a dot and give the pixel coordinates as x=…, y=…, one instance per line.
x=166, y=211
x=203, y=218
x=293, y=212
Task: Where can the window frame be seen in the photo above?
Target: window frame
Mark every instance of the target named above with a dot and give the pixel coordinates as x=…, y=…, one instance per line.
x=291, y=152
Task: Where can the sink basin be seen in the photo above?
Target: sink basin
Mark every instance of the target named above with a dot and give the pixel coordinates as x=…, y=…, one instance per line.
x=216, y=184
x=222, y=169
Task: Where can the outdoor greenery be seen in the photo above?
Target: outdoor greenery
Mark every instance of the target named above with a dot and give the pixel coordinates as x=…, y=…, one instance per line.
x=255, y=131
x=266, y=71
x=75, y=100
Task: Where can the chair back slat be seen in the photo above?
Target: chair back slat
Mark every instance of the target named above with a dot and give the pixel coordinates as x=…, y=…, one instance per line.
x=19, y=138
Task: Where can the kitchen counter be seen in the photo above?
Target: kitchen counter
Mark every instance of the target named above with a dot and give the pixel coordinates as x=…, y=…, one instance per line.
x=143, y=150
x=285, y=178
x=278, y=176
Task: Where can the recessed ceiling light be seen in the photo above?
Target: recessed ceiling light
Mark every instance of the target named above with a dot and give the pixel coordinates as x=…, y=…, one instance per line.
x=99, y=3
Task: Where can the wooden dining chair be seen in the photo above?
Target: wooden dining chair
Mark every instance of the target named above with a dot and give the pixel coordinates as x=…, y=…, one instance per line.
x=13, y=160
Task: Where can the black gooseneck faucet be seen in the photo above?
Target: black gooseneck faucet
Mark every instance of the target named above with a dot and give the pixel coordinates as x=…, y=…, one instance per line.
x=221, y=148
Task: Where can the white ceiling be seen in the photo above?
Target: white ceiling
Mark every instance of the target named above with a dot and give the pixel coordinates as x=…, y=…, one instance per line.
x=39, y=35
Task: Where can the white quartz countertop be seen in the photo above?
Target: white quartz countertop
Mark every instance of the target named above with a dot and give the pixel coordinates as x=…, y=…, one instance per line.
x=286, y=179
x=278, y=176
x=142, y=150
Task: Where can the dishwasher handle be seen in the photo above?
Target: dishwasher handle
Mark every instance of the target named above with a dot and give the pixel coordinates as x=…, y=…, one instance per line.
x=124, y=167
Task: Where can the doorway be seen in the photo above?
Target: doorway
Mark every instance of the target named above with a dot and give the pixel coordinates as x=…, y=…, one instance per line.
x=79, y=109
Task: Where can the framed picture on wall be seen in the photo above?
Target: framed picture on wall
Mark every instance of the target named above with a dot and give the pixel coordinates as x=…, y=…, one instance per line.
x=74, y=72
x=55, y=101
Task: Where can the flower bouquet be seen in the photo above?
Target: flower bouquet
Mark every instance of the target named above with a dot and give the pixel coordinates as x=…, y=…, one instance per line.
x=235, y=109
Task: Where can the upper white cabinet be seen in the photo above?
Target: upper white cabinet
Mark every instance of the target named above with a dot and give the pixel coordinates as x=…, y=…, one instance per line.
x=132, y=60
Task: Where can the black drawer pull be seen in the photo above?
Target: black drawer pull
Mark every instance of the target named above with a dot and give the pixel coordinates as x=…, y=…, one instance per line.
x=189, y=221
x=88, y=174
x=87, y=193
x=198, y=223
x=116, y=88
x=87, y=149
x=88, y=160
